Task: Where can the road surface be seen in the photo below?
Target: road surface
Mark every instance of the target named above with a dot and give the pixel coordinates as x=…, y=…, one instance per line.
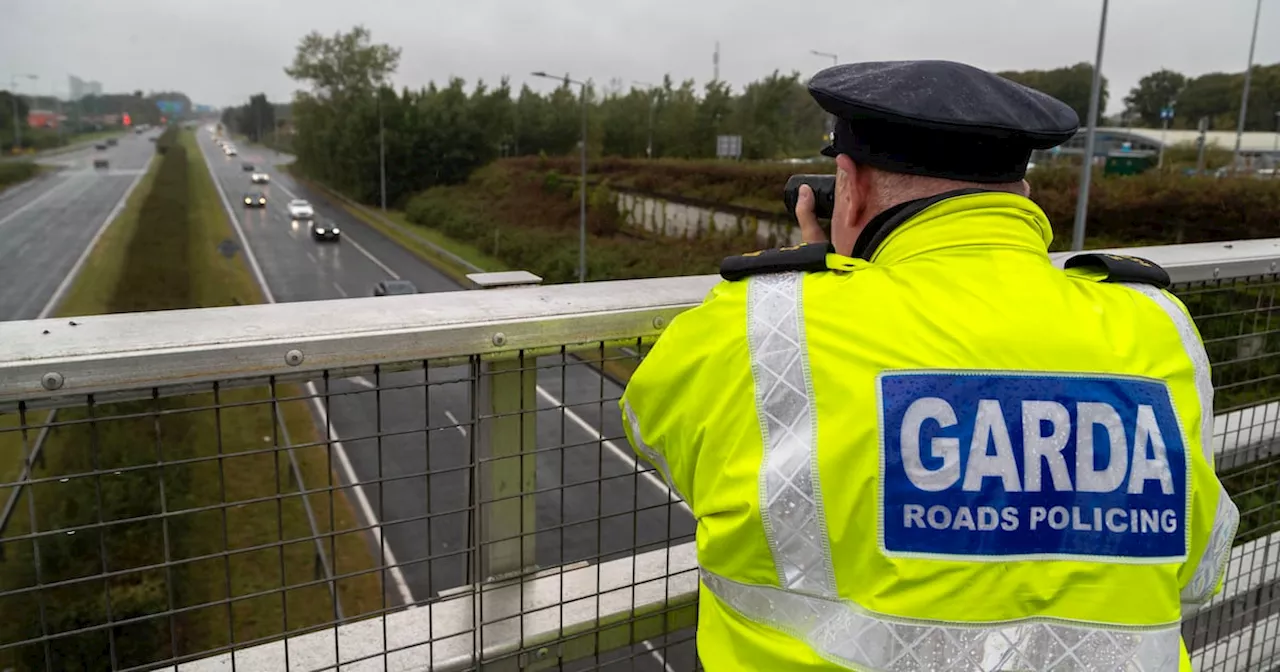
x=47, y=224
x=594, y=505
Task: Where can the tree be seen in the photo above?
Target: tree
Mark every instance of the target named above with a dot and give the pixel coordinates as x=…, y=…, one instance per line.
x=1153, y=93
x=1209, y=96
x=1072, y=85
x=345, y=63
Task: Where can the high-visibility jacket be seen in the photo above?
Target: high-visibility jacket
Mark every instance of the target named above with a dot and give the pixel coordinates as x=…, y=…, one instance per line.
x=947, y=454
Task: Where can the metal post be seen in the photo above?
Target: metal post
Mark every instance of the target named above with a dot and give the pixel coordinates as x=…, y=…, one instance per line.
x=1244, y=97
x=1200, y=144
x=508, y=440
x=831, y=119
x=1164, y=132
x=653, y=105
x=582, y=201
x=17, y=127
x=1086, y=170
x=382, y=152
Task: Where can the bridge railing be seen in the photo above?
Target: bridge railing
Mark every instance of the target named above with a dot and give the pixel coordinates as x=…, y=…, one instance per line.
x=440, y=481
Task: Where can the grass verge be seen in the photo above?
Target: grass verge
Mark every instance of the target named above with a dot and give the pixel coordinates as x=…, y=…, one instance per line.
x=13, y=172
x=211, y=551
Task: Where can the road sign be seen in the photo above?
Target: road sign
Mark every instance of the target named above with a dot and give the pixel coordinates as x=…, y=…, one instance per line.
x=1166, y=113
x=728, y=146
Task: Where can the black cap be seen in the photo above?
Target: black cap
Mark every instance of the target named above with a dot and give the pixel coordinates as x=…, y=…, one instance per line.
x=939, y=118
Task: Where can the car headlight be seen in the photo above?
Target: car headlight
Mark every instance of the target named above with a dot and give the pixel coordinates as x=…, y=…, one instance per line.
x=248, y=200
x=262, y=200
x=320, y=231
x=335, y=230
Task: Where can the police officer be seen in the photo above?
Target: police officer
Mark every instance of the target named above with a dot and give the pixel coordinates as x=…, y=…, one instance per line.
x=921, y=445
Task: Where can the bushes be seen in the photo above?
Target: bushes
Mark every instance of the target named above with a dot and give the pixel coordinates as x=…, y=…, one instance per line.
x=1152, y=208
x=529, y=220
x=13, y=172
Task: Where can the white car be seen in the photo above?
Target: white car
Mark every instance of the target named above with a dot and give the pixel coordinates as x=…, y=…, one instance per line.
x=260, y=178
x=230, y=151
x=301, y=209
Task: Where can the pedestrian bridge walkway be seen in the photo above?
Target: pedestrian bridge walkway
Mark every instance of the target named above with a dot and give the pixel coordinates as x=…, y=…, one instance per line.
x=449, y=487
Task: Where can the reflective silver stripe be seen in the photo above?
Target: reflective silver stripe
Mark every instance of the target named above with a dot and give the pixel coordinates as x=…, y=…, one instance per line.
x=655, y=458
x=1199, y=360
x=790, y=495
x=1213, y=563
x=844, y=633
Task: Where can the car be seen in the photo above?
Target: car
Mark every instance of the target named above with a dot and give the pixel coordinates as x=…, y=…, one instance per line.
x=394, y=287
x=101, y=147
x=321, y=232
x=137, y=131
x=259, y=178
x=246, y=167
x=112, y=142
x=230, y=151
x=301, y=209
x=255, y=199
x=100, y=163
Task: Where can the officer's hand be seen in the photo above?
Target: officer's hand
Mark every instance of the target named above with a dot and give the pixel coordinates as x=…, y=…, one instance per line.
x=810, y=232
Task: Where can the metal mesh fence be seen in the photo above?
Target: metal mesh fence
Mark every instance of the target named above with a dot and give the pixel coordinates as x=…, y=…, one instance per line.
x=469, y=507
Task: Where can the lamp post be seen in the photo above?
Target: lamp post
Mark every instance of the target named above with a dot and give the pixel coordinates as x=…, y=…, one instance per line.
x=13, y=95
x=1244, y=96
x=653, y=103
x=1086, y=170
x=582, y=188
x=835, y=60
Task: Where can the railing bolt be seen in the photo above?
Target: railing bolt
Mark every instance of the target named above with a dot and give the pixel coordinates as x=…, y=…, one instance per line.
x=51, y=380
x=293, y=357
x=1217, y=272
x=499, y=339
x=1273, y=266
x=659, y=322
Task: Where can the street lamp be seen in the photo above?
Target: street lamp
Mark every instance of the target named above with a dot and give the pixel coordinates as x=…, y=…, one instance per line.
x=1244, y=96
x=1086, y=170
x=835, y=60
x=382, y=151
x=582, y=189
x=13, y=94
x=653, y=103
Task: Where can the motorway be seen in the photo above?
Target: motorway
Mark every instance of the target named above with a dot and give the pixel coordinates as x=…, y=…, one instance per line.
x=410, y=444
x=47, y=225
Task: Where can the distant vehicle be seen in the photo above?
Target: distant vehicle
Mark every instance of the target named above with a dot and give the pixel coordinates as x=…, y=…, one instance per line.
x=152, y=138
x=100, y=163
x=101, y=147
x=137, y=131
x=260, y=178
x=246, y=167
x=112, y=142
x=255, y=199
x=229, y=150
x=394, y=287
x=321, y=232
x=301, y=209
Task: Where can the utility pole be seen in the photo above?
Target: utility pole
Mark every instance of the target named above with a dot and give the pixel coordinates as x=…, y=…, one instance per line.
x=1244, y=96
x=17, y=123
x=582, y=188
x=1200, y=143
x=382, y=152
x=1166, y=115
x=1091, y=136
x=831, y=121
x=653, y=104
x=715, y=63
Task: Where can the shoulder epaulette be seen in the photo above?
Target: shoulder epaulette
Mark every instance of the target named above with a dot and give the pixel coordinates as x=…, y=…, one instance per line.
x=1123, y=268
x=808, y=257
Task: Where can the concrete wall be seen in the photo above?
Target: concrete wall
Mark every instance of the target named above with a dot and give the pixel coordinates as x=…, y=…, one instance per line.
x=678, y=220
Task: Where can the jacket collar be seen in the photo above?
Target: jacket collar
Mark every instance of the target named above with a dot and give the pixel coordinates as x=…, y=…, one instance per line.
x=943, y=221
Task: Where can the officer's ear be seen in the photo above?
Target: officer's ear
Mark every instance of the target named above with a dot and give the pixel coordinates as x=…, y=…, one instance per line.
x=852, y=202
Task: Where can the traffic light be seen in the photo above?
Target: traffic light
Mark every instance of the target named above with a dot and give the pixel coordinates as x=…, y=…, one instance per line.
x=127, y=121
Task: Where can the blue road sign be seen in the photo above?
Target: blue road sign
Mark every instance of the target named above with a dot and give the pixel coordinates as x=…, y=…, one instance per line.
x=1166, y=113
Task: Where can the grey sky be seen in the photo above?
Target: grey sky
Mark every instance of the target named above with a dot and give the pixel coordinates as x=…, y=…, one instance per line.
x=221, y=52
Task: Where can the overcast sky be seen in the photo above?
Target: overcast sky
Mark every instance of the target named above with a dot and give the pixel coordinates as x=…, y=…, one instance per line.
x=221, y=52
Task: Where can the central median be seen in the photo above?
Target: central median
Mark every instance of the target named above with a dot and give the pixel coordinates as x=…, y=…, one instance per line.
x=192, y=523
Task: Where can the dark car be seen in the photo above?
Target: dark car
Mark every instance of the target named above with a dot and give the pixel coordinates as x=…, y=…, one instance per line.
x=246, y=167
x=100, y=163
x=100, y=147
x=394, y=287
x=112, y=142
x=321, y=231
x=255, y=199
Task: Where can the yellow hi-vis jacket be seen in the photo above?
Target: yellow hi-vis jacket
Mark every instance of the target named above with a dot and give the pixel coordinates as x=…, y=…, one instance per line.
x=949, y=456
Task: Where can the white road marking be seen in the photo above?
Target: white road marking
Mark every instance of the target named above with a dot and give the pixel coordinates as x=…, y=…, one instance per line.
x=357, y=487
x=312, y=257
x=341, y=291
x=461, y=430
x=36, y=201
x=657, y=656
x=384, y=267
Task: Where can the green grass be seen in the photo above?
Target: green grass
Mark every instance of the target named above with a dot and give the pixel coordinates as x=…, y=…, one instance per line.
x=253, y=539
x=13, y=172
